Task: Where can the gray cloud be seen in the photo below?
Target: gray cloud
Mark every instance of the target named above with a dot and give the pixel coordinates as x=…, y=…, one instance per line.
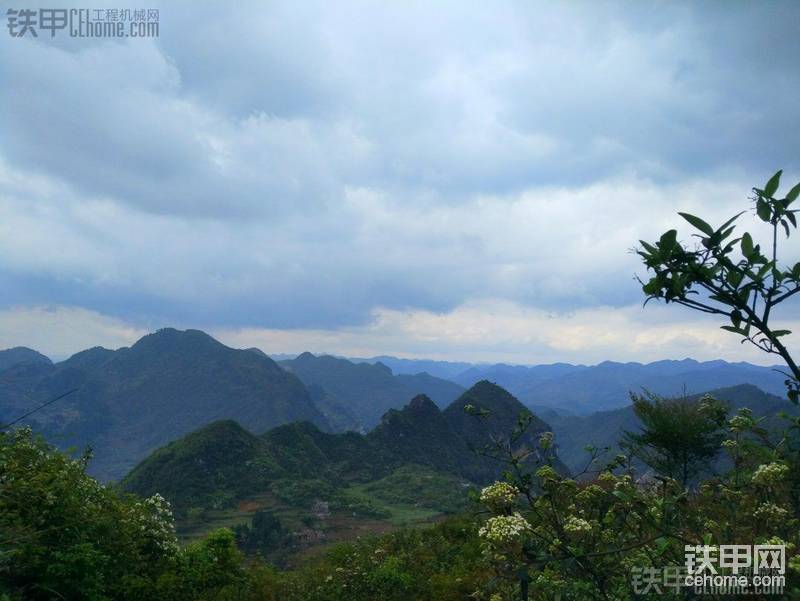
x=298, y=167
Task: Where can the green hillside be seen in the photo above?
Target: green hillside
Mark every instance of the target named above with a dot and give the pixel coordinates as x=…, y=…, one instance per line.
x=296, y=488
x=134, y=400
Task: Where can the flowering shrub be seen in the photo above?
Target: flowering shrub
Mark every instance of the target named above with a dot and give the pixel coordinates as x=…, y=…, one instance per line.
x=63, y=535
x=499, y=495
x=505, y=529
x=770, y=474
x=582, y=539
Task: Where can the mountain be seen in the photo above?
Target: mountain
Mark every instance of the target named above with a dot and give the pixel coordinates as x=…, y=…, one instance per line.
x=194, y=470
x=222, y=462
x=518, y=379
x=502, y=411
x=605, y=428
x=447, y=370
x=20, y=354
x=134, y=400
x=420, y=433
x=583, y=389
x=365, y=390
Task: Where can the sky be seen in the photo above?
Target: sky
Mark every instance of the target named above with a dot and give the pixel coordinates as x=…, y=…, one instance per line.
x=453, y=180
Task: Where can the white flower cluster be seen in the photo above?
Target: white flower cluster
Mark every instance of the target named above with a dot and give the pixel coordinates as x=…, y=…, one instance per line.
x=741, y=422
x=770, y=473
x=499, y=495
x=576, y=525
x=505, y=529
x=770, y=513
x=158, y=522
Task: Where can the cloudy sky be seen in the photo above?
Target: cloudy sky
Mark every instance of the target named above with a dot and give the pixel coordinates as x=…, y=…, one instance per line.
x=449, y=180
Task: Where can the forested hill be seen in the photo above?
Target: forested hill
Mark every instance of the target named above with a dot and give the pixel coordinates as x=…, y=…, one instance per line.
x=133, y=400
x=225, y=461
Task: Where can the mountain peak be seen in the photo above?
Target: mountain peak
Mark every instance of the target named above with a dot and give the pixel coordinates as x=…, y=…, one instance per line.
x=489, y=396
x=21, y=354
x=422, y=402
x=384, y=367
x=89, y=358
x=173, y=340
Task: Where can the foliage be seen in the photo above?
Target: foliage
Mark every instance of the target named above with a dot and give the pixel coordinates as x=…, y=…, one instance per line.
x=679, y=437
x=420, y=486
x=603, y=430
x=264, y=535
x=732, y=277
x=577, y=540
x=442, y=562
x=65, y=535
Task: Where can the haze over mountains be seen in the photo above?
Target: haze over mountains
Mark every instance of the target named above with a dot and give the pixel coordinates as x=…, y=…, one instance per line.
x=366, y=391
x=133, y=400
x=584, y=389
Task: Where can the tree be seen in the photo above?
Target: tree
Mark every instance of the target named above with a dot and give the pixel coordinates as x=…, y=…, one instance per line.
x=732, y=277
x=679, y=437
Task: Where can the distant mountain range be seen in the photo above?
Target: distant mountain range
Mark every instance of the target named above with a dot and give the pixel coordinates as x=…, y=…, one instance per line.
x=584, y=389
x=133, y=400
x=356, y=395
x=605, y=428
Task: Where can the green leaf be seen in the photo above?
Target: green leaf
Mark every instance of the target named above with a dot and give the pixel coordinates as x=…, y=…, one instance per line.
x=747, y=244
x=649, y=247
x=762, y=209
x=668, y=239
x=779, y=333
x=698, y=223
x=733, y=329
x=731, y=220
x=651, y=287
x=772, y=184
x=790, y=216
x=793, y=194
x=735, y=278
